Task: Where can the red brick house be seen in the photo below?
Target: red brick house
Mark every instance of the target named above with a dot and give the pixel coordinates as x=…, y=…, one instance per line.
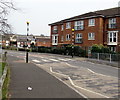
x=99, y=27
x=43, y=41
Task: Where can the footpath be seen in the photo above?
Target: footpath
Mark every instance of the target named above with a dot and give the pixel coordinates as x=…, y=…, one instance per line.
x=29, y=81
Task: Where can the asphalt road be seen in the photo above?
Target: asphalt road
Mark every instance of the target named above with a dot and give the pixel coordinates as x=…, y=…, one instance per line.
x=30, y=81
x=43, y=58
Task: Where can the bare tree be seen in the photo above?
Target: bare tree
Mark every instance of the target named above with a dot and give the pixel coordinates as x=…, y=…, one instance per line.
x=5, y=7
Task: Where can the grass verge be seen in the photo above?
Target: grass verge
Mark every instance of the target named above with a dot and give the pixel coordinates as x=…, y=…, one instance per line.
x=5, y=85
x=2, y=66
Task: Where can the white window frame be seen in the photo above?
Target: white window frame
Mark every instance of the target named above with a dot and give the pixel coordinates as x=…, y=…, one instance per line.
x=91, y=36
x=62, y=27
x=91, y=22
x=78, y=38
x=68, y=25
x=79, y=25
x=111, y=36
x=68, y=36
x=55, y=39
x=112, y=22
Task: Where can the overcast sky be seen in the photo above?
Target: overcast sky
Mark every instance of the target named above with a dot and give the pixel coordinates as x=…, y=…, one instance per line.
x=40, y=13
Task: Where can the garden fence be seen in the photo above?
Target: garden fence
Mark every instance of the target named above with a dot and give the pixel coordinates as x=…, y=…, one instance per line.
x=105, y=56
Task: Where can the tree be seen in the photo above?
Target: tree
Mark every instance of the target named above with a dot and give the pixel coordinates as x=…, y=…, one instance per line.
x=5, y=7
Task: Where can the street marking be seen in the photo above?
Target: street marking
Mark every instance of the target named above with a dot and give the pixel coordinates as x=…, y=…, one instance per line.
x=86, y=89
x=66, y=83
x=78, y=86
x=45, y=60
x=41, y=57
x=99, y=73
x=36, y=61
x=64, y=59
x=53, y=60
x=71, y=65
x=57, y=73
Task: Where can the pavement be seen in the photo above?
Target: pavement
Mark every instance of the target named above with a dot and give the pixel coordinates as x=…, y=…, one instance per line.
x=30, y=81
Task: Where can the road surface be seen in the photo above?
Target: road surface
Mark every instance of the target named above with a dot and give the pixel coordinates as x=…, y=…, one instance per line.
x=90, y=79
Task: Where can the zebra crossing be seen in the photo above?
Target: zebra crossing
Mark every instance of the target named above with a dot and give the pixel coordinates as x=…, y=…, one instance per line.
x=50, y=60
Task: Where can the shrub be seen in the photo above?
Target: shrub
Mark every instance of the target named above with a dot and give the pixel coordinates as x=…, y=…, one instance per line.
x=100, y=49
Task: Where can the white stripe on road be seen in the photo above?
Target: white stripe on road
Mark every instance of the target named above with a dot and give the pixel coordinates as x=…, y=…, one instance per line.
x=86, y=89
x=99, y=73
x=64, y=59
x=78, y=86
x=66, y=83
x=45, y=60
x=54, y=60
x=71, y=65
x=36, y=61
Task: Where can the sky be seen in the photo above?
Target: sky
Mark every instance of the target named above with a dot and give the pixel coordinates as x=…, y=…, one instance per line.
x=40, y=13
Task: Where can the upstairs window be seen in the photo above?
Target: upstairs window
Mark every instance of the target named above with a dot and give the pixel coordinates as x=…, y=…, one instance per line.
x=55, y=29
x=68, y=25
x=78, y=38
x=91, y=22
x=112, y=23
x=79, y=25
x=91, y=36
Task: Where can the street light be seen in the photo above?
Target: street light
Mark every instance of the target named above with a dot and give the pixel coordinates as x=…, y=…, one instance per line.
x=27, y=42
x=72, y=51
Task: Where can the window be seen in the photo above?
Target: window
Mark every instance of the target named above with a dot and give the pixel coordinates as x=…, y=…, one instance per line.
x=113, y=49
x=78, y=38
x=112, y=23
x=91, y=36
x=62, y=27
x=112, y=36
x=54, y=39
x=54, y=27
x=67, y=37
x=68, y=25
x=79, y=25
x=91, y=22
x=55, y=30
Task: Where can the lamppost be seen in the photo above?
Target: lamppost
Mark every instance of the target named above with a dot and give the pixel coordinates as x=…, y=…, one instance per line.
x=72, y=51
x=27, y=42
